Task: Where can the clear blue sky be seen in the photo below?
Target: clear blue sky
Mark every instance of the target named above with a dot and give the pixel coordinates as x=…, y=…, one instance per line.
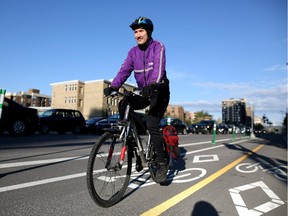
x=215, y=50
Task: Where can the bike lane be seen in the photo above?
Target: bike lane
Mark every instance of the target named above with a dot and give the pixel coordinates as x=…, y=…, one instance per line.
x=226, y=197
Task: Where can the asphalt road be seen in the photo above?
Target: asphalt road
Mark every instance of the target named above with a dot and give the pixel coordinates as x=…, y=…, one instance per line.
x=45, y=175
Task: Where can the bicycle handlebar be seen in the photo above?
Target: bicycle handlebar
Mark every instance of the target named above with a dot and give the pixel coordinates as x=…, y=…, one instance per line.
x=135, y=91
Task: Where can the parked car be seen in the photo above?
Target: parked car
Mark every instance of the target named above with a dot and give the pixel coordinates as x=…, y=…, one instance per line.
x=230, y=128
x=111, y=121
x=260, y=131
x=62, y=121
x=177, y=123
x=91, y=124
x=247, y=130
x=17, y=119
x=223, y=129
x=191, y=129
x=205, y=127
x=105, y=123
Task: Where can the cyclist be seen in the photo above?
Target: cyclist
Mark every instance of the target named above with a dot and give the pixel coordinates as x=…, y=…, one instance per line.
x=147, y=60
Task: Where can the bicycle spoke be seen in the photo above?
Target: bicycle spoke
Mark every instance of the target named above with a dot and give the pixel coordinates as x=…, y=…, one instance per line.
x=107, y=179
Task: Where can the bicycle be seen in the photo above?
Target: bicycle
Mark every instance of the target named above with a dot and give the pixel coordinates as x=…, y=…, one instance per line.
x=110, y=161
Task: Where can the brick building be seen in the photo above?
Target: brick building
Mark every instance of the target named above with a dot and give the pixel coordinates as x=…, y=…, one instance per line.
x=32, y=98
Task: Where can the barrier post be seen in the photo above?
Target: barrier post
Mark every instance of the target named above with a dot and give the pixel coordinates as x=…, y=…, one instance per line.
x=244, y=134
x=2, y=95
x=168, y=120
x=233, y=133
x=214, y=134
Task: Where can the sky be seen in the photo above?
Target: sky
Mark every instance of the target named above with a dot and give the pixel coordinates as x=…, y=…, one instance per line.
x=215, y=50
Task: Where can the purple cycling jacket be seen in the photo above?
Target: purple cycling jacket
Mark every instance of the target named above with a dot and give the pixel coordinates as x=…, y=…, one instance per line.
x=148, y=65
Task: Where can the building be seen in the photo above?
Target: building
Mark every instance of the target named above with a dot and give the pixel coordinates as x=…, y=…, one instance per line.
x=175, y=111
x=32, y=98
x=87, y=97
x=234, y=111
x=191, y=116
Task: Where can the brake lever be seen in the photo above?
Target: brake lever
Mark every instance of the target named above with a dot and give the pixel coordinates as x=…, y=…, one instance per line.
x=114, y=93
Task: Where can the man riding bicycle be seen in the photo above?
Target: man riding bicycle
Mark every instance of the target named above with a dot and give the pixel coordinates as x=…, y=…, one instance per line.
x=148, y=61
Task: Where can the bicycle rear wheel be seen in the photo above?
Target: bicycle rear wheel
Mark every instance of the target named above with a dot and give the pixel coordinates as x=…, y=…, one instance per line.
x=107, y=178
x=152, y=164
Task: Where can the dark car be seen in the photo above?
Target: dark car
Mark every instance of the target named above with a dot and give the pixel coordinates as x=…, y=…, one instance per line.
x=106, y=123
x=223, y=129
x=111, y=121
x=62, y=121
x=91, y=124
x=230, y=128
x=177, y=123
x=17, y=119
x=204, y=127
x=247, y=130
x=191, y=129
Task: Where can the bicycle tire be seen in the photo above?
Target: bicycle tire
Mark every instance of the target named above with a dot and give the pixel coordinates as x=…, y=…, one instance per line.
x=107, y=186
x=152, y=164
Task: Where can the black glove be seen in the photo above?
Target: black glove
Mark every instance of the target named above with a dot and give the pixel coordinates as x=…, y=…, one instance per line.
x=107, y=91
x=147, y=90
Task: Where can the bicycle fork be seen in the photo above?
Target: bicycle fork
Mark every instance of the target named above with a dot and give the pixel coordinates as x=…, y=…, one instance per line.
x=118, y=166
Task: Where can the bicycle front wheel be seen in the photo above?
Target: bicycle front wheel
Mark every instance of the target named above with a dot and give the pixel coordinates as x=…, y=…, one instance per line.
x=108, y=170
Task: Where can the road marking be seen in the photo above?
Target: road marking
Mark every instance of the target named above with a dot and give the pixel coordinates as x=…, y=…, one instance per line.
x=201, y=143
x=51, y=180
x=58, y=160
x=38, y=162
x=205, y=158
x=188, y=192
x=45, y=181
x=258, y=210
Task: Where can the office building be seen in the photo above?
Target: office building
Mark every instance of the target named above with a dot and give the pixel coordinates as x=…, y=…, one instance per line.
x=234, y=111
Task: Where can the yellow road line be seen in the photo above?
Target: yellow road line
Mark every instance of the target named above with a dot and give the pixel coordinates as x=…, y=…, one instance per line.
x=186, y=193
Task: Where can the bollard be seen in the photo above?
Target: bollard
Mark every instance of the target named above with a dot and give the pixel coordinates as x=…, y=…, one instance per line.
x=233, y=133
x=168, y=120
x=2, y=95
x=244, y=134
x=214, y=134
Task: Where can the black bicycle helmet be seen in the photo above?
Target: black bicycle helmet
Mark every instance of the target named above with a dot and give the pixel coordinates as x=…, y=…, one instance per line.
x=142, y=22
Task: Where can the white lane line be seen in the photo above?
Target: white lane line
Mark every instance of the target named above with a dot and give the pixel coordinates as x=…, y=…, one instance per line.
x=29, y=163
x=210, y=148
x=201, y=143
x=51, y=180
x=57, y=160
x=40, y=182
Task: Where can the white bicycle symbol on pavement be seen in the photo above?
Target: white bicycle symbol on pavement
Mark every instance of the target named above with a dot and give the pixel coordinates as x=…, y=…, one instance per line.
x=187, y=175
x=279, y=171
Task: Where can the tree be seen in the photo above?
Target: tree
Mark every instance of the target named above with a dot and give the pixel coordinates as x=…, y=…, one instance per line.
x=258, y=126
x=199, y=116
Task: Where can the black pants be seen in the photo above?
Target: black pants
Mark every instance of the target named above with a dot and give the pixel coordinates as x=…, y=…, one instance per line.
x=158, y=102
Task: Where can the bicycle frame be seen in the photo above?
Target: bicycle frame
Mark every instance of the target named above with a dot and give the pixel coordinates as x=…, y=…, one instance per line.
x=125, y=131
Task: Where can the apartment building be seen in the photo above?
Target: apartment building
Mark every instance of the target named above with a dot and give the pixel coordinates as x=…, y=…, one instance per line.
x=87, y=97
x=191, y=116
x=175, y=111
x=234, y=111
x=32, y=98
